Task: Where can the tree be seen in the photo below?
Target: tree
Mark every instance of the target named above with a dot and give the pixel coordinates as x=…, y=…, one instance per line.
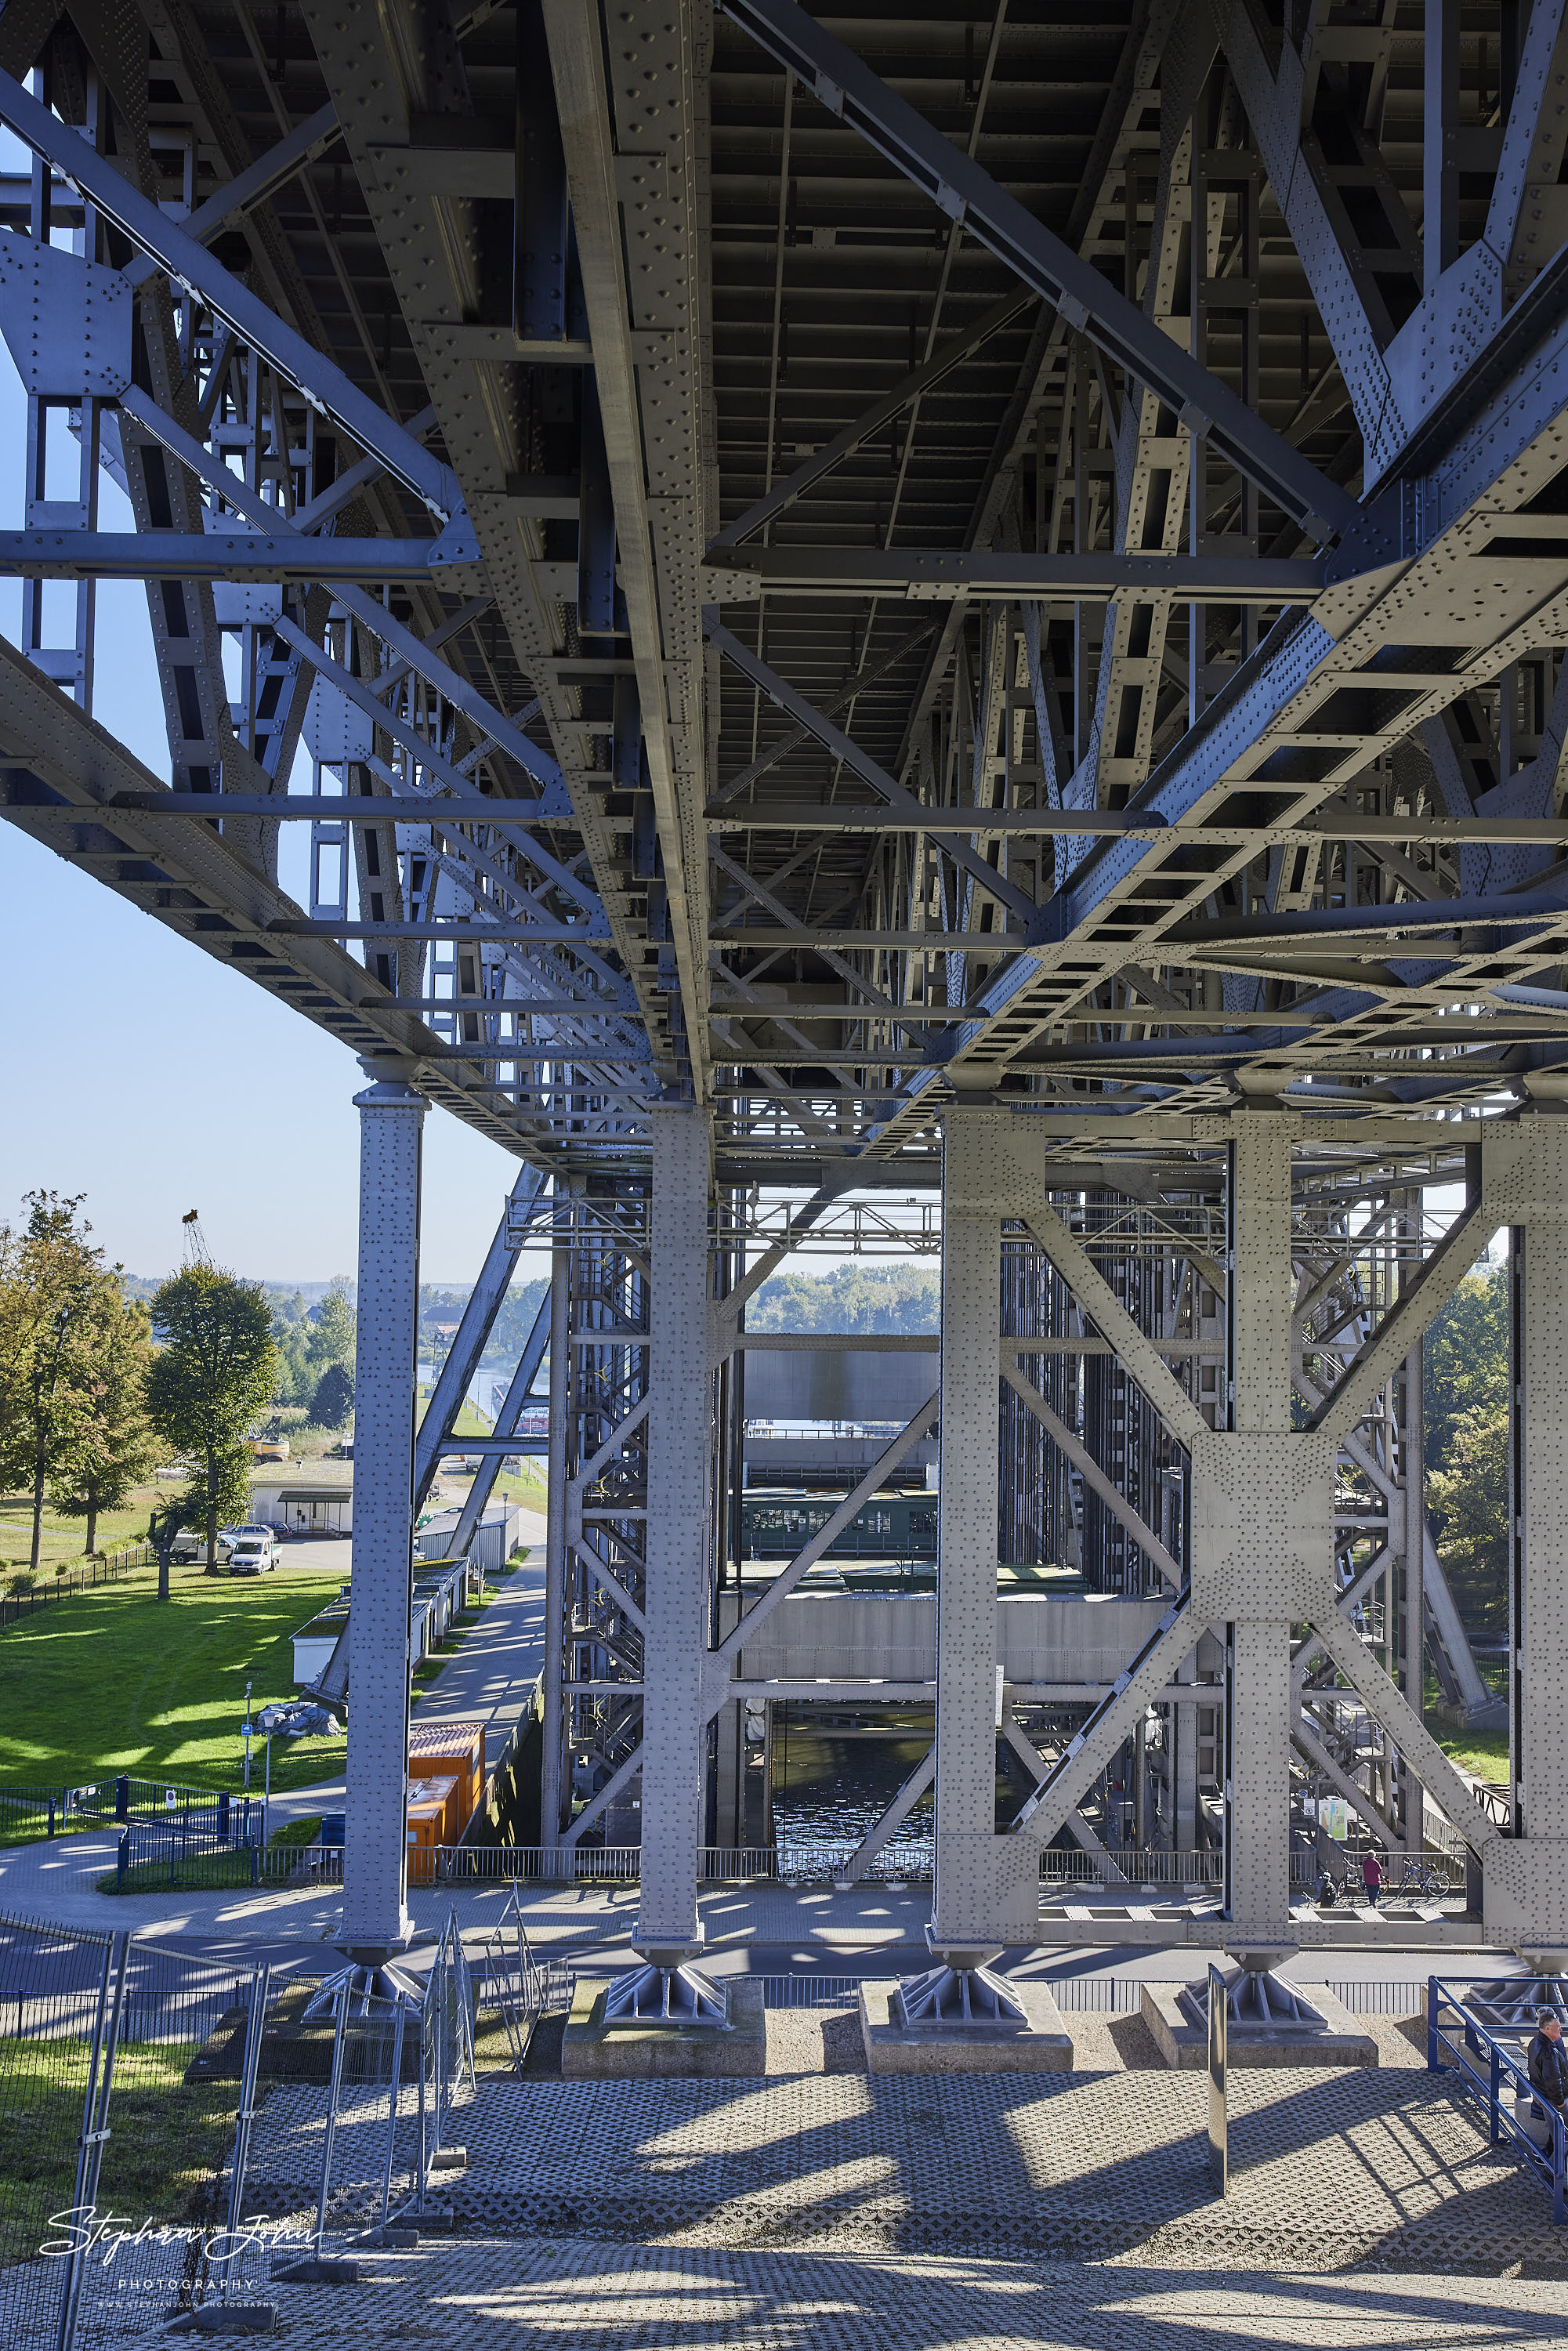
x=333, y=1401
x=216, y=1368
x=332, y=1332
x=1465, y=1360
x=218, y=1494
x=52, y=1277
x=1469, y=1504
x=295, y=1381
x=115, y=1450
x=852, y=1297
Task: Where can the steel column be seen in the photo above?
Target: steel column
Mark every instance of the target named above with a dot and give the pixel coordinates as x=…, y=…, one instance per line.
x=1540, y=1406
x=967, y=1563
x=560, y=1369
x=375, y=1876
x=1257, y=1692
x=674, y=1745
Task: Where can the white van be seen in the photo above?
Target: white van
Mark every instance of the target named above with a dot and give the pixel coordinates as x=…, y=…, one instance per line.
x=189, y=1548
x=255, y=1553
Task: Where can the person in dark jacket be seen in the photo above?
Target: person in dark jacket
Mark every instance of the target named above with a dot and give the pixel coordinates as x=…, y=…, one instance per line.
x=1546, y=2061
x=1371, y=1876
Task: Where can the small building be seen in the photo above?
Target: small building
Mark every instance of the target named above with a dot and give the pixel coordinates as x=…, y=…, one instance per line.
x=499, y=1528
x=306, y=1499
x=314, y=1642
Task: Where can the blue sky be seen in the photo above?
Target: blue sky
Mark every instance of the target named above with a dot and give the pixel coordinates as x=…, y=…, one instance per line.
x=140, y=1072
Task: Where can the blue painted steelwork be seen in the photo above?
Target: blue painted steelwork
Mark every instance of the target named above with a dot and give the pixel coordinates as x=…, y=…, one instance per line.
x=1461, y=2042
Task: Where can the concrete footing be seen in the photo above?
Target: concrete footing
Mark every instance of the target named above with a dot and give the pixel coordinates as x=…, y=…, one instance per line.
x=1185, y=2045
x=1040, y=2043
x=595, y=2049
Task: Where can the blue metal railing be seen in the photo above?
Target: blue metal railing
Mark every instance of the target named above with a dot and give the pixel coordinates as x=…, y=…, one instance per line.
x=1486, y=2068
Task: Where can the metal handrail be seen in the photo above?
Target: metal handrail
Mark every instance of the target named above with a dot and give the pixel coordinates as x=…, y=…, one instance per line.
x=1485, y=2081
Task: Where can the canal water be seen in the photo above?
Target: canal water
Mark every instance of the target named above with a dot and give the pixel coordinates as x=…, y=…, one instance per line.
x=828, y=1790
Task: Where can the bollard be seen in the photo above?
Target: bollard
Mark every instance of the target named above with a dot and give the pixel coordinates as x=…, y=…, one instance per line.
x=51, y=1829
x=223, y=1816
x=123, y=1798
x=122, y=1858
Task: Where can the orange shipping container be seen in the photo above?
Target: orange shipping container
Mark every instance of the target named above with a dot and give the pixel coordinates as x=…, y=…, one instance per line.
x=432, y=1803
x=455, y=1750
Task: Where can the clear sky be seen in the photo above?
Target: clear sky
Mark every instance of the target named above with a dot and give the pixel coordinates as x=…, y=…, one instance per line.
x=143, y=1072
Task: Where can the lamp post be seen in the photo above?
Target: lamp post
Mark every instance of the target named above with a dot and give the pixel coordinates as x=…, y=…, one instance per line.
x=246, y=1737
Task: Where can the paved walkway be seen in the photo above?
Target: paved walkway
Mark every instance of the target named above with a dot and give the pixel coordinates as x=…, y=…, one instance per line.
x=56, y=1881
x=959, y=2213
x=487, y=1680
x=512, y=2294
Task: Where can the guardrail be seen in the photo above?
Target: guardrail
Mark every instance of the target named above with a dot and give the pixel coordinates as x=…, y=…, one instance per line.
x=28, y=1811
x=48, y=1590
x=1141, y=1869
x=1485, y=2068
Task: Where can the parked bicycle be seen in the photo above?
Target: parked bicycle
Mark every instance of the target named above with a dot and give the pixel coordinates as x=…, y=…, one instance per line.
x=1418, y=1877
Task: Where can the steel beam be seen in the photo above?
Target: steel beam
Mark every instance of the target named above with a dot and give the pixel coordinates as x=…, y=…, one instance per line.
x=187, y=261
x=1080, y=293
x=919, y=573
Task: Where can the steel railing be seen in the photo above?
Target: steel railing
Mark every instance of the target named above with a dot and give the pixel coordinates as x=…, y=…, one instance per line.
x=1460, y=2042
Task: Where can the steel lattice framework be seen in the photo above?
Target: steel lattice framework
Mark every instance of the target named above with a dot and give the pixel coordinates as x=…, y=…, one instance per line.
x=849, y=604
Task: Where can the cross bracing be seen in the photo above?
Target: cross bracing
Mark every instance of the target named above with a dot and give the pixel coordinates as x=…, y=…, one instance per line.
x=736, y=589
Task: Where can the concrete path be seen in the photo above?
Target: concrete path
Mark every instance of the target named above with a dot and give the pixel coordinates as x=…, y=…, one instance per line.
x=486, y=2293
x=489, y=1678
x=766, y=1929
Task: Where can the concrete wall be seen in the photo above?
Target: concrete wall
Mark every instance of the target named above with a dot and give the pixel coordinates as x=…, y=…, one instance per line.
x=849, y=1635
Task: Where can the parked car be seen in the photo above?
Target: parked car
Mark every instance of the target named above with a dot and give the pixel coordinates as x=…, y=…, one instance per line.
x=189, y=1549
x=253, y=1555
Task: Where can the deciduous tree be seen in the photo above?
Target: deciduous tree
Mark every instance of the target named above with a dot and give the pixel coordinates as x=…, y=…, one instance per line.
x=1469, y=1500
x=114, y=1451
x=215, y=1370
x=333, y=1401
x=51, y=1276
x=332, y=1333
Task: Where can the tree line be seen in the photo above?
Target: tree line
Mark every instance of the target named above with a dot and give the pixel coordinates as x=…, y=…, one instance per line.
x=93, y=1380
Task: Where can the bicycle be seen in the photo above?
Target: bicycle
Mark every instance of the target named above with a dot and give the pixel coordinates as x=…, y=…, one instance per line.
x=1420, y=1878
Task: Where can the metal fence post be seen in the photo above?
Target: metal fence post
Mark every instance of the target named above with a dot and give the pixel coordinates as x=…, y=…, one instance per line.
x=422, y=2143
x=438, y=2004
x=340, y=2036
x=95, y=2124
x=249, y=2068
x=399, y=2017
x=1433, y=2063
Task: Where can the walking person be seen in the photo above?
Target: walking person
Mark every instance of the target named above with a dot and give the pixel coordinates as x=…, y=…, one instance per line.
x=1372, y=1876
x=1546, y=2061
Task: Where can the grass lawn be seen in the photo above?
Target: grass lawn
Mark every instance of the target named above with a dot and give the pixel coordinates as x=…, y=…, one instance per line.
x=114, y=1680
x=1483, y=1753
x=63, y=1538
x=167, y=2135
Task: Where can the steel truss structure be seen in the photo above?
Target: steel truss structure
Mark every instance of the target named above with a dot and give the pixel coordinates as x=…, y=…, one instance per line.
x=786, y=614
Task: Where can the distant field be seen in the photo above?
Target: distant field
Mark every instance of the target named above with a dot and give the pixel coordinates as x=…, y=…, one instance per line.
x=115, y=1680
